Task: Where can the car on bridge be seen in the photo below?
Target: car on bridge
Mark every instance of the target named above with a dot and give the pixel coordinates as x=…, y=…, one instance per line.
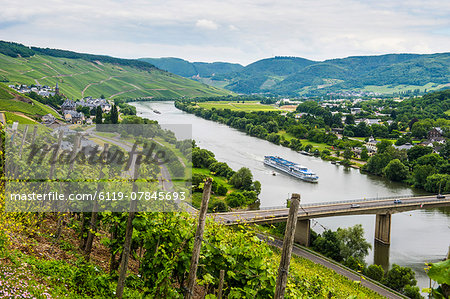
x=355, y=205
x=397, y=201
x=440, y=196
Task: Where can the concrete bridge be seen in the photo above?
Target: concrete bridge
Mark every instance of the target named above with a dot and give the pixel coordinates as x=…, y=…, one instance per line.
x=383, y=208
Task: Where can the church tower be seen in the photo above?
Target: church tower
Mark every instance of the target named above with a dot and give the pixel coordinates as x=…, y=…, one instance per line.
x=57, y=89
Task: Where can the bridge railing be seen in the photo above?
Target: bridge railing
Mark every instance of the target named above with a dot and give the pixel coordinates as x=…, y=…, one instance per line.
x=347, y=201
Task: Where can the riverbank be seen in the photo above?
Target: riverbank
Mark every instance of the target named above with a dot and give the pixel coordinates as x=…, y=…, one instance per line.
x=416, y=238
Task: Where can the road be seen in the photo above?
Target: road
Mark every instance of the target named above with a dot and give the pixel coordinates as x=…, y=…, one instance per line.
x=350, y=207
x=298, y=251
x=165, y=180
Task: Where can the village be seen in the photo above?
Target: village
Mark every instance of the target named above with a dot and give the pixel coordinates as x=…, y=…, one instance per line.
x=72, y=111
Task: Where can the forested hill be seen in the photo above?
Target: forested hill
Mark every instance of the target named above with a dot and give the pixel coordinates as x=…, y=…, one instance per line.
x=80, y=75
x=385, y=74
x=188, y=69
x=293, y=76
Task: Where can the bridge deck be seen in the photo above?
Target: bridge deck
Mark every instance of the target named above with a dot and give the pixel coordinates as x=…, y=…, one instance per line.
x=355, y=207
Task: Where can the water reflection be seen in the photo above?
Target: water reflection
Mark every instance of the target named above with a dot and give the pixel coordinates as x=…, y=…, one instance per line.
x=381, y=255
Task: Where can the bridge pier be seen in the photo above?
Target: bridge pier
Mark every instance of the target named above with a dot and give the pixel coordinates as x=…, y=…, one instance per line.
x=302, y=232
x=383, y=228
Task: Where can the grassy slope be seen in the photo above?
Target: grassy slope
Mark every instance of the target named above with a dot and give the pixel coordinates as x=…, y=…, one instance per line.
x=77, y=75
x=12, y=117
x=9, y=102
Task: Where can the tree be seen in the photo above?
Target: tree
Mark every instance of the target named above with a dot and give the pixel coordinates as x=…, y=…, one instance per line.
x=352, y=242
x=257, y=187
x=419, y=130
x=418, y=151
x=348, y=154
x=355, y=264
x=350, y=119
x=383, y=146
x=445, y=150
x=242, y=179
x=430, y=159
x=235, y=199
x=329, y=245
x=399, y=277
x=412, y=292
x=274, y=138
x=377, y=163
x=364, y=153
x=114, y=115
x=412, y=122
x=99, y=115
x=396, y=171
x=202, y=158
x=438, y=183
x=375, y=272
x=420, y=174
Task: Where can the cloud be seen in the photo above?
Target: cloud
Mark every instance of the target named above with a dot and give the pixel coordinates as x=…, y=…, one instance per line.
x=206, y=24
x=231, y=30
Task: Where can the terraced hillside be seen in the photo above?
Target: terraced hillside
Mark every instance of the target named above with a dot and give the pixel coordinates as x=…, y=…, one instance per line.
x=19, y=107
x=80, y=75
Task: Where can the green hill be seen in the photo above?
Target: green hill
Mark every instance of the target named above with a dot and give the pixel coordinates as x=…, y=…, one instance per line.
x=384, y=73
x=19, y=107
x=188, y=69
x=82, y=75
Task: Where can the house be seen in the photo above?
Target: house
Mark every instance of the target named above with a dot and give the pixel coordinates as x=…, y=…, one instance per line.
x=405, y=146
x=355, y=110
x=300, y=115
x=74, y=116
x=371, y=121
x=368, y=121
x=94, y=103
x=48, y=119
x=68, y=105
x=436, y=135
x=337, y=130
x=106, y=107
x=371, y=145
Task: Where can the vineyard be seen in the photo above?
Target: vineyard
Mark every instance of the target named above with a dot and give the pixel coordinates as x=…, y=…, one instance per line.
x=81, y=253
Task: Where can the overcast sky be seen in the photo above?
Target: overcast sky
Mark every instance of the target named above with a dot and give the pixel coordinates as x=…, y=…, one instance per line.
x=241, y=31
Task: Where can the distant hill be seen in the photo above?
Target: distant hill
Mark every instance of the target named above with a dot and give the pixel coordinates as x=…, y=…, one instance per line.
x=384, y=73
x=80, y=74
x=188, y=69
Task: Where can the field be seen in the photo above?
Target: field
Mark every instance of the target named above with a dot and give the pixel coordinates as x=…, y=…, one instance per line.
x=320, y=146
x=12, y=117
x=78, y=78
x=235, y=106
x=399, y=88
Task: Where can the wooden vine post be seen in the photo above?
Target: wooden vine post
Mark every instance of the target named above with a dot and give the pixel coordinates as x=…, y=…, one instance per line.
x=288, y=243
x=198, y=239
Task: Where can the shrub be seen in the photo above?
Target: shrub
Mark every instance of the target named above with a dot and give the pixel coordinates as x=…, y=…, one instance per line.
x=222, y=190
x=235, y=199
x=218, y=206
x=375, y=272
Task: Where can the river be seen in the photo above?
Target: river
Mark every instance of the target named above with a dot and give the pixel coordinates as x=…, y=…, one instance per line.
x=417, y=237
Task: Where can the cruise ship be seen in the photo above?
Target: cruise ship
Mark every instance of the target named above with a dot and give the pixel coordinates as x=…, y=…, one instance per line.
x=291, y=168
